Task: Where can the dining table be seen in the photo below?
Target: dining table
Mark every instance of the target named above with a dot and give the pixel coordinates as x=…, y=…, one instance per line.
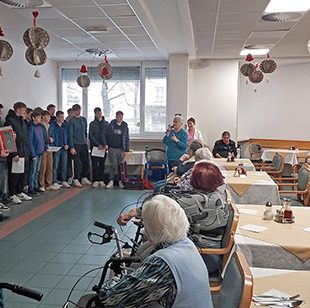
x=269, y=244
x=282, y=283
x=290, y=156
x=257, y=187
x=224, y=165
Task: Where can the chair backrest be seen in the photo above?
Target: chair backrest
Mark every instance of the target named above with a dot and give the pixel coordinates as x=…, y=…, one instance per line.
x=155, y=155
x=255, y=149
x=279, y=162
x=274, y=159
x=303, y=178
x=237, y=286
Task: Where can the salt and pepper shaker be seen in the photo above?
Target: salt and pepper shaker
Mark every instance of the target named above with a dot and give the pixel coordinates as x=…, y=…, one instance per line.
x=268, y=213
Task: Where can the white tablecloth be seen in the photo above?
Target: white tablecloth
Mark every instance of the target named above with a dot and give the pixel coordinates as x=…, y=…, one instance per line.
x=291, y=156
x=224, y=165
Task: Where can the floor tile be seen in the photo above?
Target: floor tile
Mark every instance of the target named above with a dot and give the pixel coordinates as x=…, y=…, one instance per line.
x=56, y=268
x=66, y=258
x=44, y=281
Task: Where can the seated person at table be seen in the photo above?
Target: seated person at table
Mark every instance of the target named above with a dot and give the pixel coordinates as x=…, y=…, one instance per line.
x=176, y=140
x=173, y=275
x=224, y=146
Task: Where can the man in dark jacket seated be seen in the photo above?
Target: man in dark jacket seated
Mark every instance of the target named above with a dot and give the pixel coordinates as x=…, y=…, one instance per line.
x=224, y=146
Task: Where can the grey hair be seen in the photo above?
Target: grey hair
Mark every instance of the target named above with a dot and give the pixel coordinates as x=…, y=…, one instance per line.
x=164, y=220
x=203, y=153
x=179, y=118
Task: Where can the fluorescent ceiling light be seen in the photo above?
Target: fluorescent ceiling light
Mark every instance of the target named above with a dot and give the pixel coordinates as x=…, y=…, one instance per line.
x=254, y=52
x=280, y=6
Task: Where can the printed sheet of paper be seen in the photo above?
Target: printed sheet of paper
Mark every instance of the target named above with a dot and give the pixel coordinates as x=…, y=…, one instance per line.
x=53, y=149
x=98, y=153
x=18, y=166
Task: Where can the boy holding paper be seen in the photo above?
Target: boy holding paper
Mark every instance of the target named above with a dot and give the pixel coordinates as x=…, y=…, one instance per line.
x=60, y=135
x=98, y=139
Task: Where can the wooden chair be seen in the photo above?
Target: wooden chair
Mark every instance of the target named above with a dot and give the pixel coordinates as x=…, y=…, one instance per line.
x=226, y=246
x=275, y=169
x=262, y=166
x=255, y=152
x=237, y=286
x=300, y=185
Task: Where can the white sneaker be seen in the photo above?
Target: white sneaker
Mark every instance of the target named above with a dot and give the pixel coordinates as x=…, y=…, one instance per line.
x=110, y=184
x=95, y=184
x=42, y=189
x=70, y=181
x=57, y=185
x=120, y=184
x=85, y=181
x=4, y=208
x=101, y=184
x=76, y=183
x=66, y=185
x=16, y=200
x=23, y=197
x=52, y=188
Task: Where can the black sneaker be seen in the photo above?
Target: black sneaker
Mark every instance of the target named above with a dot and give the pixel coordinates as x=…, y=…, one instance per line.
x=33, y=193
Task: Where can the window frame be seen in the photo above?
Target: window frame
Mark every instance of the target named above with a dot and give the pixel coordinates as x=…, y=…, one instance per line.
x=143, y=66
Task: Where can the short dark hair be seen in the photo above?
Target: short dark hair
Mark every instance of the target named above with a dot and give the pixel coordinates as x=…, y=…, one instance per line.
x=1, y=106
x=69, y=110
x=59, y=112
x=29, y=110
x=226, y=133
x=97, y=109
x=35, y=114
x=44, y=113
x=19, y=105
x=76, y=107
x=191, y=119
x=119, y=113
x=50, y=106
x=38, y=109
x=206, y=177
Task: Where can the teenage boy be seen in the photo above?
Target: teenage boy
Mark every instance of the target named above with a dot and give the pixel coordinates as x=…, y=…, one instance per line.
x=98, y=138
x=77, y=131
x=37, y=145
x=15, y=118
x=60, y=136
x=46, y=170
x=51, y=110
x=118, y=142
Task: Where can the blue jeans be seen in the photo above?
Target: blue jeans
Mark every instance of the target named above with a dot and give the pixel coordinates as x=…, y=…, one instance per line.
x=61, y=155
x=35, y=165
x=3, y=175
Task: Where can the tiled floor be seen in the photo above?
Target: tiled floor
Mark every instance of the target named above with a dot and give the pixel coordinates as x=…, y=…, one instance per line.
x=51, y=252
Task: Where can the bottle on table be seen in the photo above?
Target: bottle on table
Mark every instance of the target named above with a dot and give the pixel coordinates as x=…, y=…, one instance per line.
x=268, y=213
x=288, y=214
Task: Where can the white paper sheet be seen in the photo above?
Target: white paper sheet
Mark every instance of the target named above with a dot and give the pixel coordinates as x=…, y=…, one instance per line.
x=248, y=211
x=98, y=153
x=18, y=166
x=307, y=229
x=53, y=149
x=253, y=228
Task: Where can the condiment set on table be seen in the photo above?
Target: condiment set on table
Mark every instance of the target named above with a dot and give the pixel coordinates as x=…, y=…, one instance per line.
x=240, y=171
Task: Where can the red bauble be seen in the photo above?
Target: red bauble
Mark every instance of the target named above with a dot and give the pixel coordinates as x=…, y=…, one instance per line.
x=83, y=69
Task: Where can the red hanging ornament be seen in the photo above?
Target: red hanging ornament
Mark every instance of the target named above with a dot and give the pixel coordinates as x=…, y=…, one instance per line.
x=105, y=69
x=1, y=32
x=249, y=58
x=83, y=69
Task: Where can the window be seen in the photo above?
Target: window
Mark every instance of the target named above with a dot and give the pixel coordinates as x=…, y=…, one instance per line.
x=140, y=92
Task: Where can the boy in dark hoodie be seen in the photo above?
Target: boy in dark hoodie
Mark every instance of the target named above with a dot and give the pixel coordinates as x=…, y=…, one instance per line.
x=118, y=142
x=15, y=118
x=37, y=145
x=98, y=138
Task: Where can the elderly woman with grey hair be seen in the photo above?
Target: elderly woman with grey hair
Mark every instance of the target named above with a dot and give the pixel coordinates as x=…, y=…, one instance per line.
x=174, y=275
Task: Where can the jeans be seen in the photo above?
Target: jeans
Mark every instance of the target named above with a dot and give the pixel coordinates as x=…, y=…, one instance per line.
x=3, y=175
x=35, y=165
x=116, y=158
x=98, y=168
x=81, y=161
x=61, y=156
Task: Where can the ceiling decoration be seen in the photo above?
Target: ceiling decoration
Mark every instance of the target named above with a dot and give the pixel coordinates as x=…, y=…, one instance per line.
x=6, y=49
x=23, y=3
x=83, y=80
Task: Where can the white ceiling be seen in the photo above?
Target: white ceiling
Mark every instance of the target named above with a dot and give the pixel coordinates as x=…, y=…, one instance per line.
x=153, y=29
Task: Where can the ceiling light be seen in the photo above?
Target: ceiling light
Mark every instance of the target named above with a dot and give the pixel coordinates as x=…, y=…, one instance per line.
x=254, y=52
x=97, y=29
x=278, y=6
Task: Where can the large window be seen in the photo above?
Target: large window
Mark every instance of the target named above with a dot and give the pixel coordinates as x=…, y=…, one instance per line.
x=140, y=92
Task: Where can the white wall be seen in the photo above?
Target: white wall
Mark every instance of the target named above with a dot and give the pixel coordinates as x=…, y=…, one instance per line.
x=280, y=108
x=213, y=99
x=19, y=84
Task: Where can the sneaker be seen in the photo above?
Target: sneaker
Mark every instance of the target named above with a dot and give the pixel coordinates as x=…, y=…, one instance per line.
x=57, y=185
x=101, y=184
x=22, y=196
x=16, y=200
x=120, y=184
x=38, y=190
x=70, y=181
x=95, y=184
x=52, y=188
x=66, y=185
x=110, y=184
x=41, y=189
x=76, y=183
x=4, y=207
x=85, y=181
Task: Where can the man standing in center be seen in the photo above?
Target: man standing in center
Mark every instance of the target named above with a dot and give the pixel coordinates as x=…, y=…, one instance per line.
x=77, y=131
x=118, y=142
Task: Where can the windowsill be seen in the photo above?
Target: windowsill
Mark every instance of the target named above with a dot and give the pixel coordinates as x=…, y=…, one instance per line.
x=145, y=139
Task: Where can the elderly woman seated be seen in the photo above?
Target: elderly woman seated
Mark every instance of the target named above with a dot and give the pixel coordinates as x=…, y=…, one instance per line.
x=174, y=275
